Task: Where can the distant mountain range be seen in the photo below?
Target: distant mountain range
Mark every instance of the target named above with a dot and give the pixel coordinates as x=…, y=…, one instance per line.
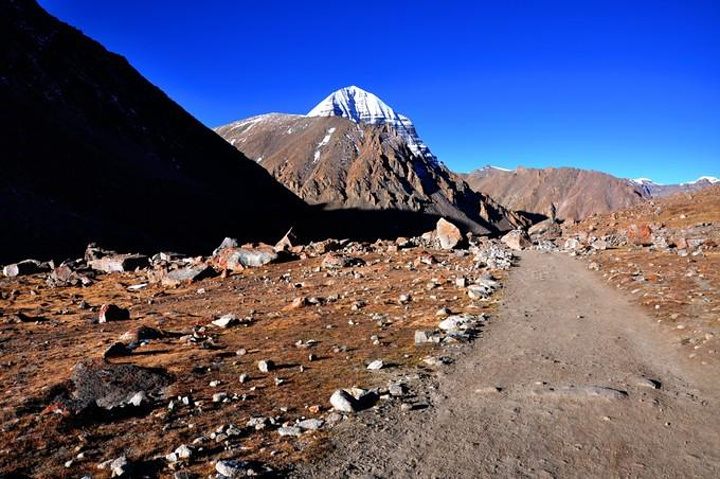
x=658, y=189
x=354, y=151
x=575, y=193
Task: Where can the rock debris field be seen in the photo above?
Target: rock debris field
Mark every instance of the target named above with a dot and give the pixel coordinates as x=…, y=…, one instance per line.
x=434, y=356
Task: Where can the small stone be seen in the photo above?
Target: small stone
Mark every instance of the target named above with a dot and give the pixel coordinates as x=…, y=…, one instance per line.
x=120, y=467
x=234, y=469
x=311, y=424
x=241, y=352
x=243, y=378
x=266, y=365
x=227, y=321
x=219, y=397
x=423, y=337
x=138, y=399
x=290, y=431
x=648, y=383
x=396, y=390
x=376, y=365
x=184, y=451
x=333, y=417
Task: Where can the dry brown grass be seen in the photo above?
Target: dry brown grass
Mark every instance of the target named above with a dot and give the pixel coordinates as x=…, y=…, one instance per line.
x=37, y=356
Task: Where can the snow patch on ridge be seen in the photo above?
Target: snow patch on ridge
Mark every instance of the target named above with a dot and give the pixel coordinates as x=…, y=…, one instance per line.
x=326, y=140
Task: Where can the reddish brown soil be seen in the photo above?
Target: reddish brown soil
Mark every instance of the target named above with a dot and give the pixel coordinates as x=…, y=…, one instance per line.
x=37, y=356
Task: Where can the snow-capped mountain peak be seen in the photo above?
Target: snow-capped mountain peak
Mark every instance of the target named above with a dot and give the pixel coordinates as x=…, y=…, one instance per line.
x=357, y=105
x=709, y=179
x=643, y=181
x=361, y=106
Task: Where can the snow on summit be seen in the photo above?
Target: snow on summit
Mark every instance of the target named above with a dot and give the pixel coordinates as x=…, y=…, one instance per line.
x=361, y=106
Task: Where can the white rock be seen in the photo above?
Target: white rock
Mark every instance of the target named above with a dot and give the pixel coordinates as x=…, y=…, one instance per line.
x=375, y=365
x=341, y=400
x=184, y=451
x=311, y=424
x=290, y=431
x=138, y=399
x=233, y=469
x=226, y=321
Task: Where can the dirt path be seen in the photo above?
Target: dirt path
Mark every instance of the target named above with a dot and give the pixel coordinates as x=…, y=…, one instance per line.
x=559, y=333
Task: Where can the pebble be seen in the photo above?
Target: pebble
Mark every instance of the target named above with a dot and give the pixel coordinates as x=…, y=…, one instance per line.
x=233, y=469
x=311, y=424
x=376, y=365
x=243, y=378
x=648, y=383
x=219, y=397
x=290, y=431
x=266, y=366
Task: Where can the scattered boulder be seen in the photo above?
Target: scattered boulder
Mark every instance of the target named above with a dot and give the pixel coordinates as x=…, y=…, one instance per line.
x=226, y=243
x=141, y=333
x=96, y=385
x=28, y=266
x=353, y=401
x=457, y=323
x=188, y=274
x=286, y=243
x=517, y=240
x=227, y=321
x=65, y=275
x=599, y=245
x=640, y=234
x=448, y=234
x=572, y=244
x=118, y=349
x=343, y=401
x=111, y=312
x=237, y=259
x=119, y=263
x=337, y=261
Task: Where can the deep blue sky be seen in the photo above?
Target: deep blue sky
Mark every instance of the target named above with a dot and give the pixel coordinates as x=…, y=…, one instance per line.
x=628, y=87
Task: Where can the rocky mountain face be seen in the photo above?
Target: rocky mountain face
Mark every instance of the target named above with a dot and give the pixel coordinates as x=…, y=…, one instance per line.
x=657, y=190
x=353, y=152
x=576, y=193
x=92, y=151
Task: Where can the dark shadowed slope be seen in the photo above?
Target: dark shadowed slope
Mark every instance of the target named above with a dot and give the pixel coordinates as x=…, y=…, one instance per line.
x=91, y=151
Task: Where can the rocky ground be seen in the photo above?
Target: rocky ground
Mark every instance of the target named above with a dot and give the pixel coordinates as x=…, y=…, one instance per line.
x=317, y=360
x=666, y=256
x=123, y=365
x=569, y=379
